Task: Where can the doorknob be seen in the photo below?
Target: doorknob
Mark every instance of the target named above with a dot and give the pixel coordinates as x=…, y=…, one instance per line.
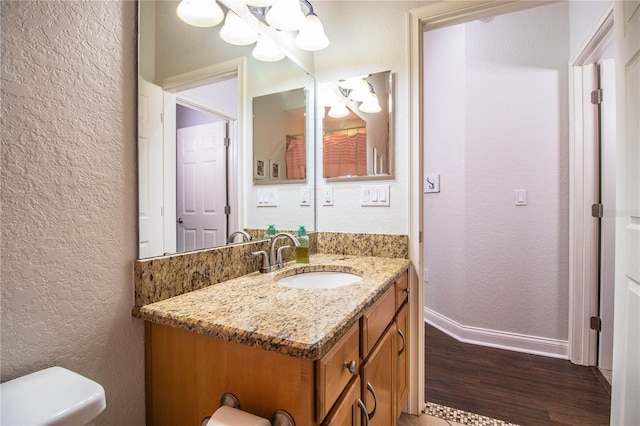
x=179, y=220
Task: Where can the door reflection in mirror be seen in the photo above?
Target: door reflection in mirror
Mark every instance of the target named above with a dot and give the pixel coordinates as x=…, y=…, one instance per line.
x=201, y=179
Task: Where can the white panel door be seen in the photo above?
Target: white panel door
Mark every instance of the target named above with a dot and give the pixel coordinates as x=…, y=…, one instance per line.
x=201, y=186
x=625, y=396
x=150, y=176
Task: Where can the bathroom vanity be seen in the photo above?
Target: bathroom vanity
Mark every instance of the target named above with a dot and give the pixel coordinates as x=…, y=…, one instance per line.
x=326, y=356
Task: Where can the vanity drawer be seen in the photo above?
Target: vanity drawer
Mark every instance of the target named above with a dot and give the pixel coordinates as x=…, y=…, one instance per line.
x=376, y=320
x=402, y=289
x=336, y=369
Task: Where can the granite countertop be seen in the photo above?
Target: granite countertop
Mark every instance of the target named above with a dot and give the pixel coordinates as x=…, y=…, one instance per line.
x=254, y=310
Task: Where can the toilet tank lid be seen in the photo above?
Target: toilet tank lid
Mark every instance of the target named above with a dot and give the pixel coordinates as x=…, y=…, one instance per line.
x=53, y=396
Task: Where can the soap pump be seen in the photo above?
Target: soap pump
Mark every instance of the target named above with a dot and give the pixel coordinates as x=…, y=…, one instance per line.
x=302, y=251
x=271, y=232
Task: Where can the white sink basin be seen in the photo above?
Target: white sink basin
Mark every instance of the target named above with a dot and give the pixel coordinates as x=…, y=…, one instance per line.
x=319, y=279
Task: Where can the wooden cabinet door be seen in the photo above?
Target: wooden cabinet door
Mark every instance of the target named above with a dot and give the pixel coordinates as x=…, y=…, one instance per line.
x=402, y=377
x=347, y=411
x=335, y=370
x=378, y=380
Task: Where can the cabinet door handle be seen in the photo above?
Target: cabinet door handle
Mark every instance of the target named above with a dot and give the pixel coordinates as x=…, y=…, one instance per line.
x=352, y=366
x=375, y=401
x=404, y=342
x=364, y=411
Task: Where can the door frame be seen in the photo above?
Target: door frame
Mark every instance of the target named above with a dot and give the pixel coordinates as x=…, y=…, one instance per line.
x=583, y=186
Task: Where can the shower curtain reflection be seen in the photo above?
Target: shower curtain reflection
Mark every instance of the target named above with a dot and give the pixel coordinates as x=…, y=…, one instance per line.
x=345, y=152
x=295, y=157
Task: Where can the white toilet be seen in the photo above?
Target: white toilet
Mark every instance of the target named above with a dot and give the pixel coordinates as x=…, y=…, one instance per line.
x=53, y=396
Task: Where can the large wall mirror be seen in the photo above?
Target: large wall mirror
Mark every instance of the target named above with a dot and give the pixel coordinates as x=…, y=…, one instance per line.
x=358, y=128
x=196, y=93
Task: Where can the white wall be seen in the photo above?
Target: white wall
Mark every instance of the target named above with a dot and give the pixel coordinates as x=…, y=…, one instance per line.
x=496, y=121
x=69, y=197
x=583, y=15
x=368, y=37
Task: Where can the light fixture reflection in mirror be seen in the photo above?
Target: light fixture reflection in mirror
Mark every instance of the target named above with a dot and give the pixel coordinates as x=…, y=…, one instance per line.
x=357, y=133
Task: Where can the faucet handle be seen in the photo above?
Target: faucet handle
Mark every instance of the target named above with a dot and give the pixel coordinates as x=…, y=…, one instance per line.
x=265, y=260
x=279, y=254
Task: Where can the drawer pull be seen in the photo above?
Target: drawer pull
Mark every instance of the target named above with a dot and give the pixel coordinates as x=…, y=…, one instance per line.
x=352, y=366
x=375, y=401
x=404, y=342
x=364, y=411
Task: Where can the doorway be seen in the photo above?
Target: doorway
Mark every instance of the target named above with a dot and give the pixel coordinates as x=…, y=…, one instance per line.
x=496, y=98
x=201, y=189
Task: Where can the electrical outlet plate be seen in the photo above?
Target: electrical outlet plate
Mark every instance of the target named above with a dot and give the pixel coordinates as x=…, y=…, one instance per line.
x=305, y=196
x=327, y=196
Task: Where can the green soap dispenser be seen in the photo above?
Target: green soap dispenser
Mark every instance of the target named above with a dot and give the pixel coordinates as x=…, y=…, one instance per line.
x=271, y=232
x=302, y=251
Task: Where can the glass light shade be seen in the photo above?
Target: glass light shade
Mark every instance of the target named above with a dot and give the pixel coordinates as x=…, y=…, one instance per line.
x=311, y=36
x=286, y=15
x=360, y=91
x=236, y=31
x=338, y=110
x=200, y=13
x=371, y=104
x=349, y=83
x=259, y=3
x=267, y=51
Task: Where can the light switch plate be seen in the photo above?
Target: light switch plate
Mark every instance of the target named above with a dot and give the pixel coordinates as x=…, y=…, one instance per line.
x=374, y=195
x=520, y=197
x=267, y=197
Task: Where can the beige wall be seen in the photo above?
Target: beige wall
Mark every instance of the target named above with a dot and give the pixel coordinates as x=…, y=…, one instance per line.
x=69, y=196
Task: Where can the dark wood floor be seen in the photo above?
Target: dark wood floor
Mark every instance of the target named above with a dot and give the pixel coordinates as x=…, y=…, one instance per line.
x=512, y=386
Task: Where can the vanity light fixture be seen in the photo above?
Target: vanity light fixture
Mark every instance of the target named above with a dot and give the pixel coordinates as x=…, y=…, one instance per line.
x=311, y=36
x=200, y=13
x=259, y=3
x=267, y=51
x=236, y=31
x=360, y=90
x=371, y=104
x=283, y=15
x=338, y=110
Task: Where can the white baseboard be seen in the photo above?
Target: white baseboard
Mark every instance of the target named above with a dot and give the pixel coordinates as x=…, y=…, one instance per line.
x=498, y=339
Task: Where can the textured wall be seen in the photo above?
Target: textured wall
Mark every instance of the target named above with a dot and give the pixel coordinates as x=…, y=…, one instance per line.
x=368, y=37
x=69, y=196
x=503, y=125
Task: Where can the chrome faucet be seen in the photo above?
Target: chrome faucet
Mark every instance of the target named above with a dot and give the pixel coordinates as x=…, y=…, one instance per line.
x=273, y=261
x=232, y=237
